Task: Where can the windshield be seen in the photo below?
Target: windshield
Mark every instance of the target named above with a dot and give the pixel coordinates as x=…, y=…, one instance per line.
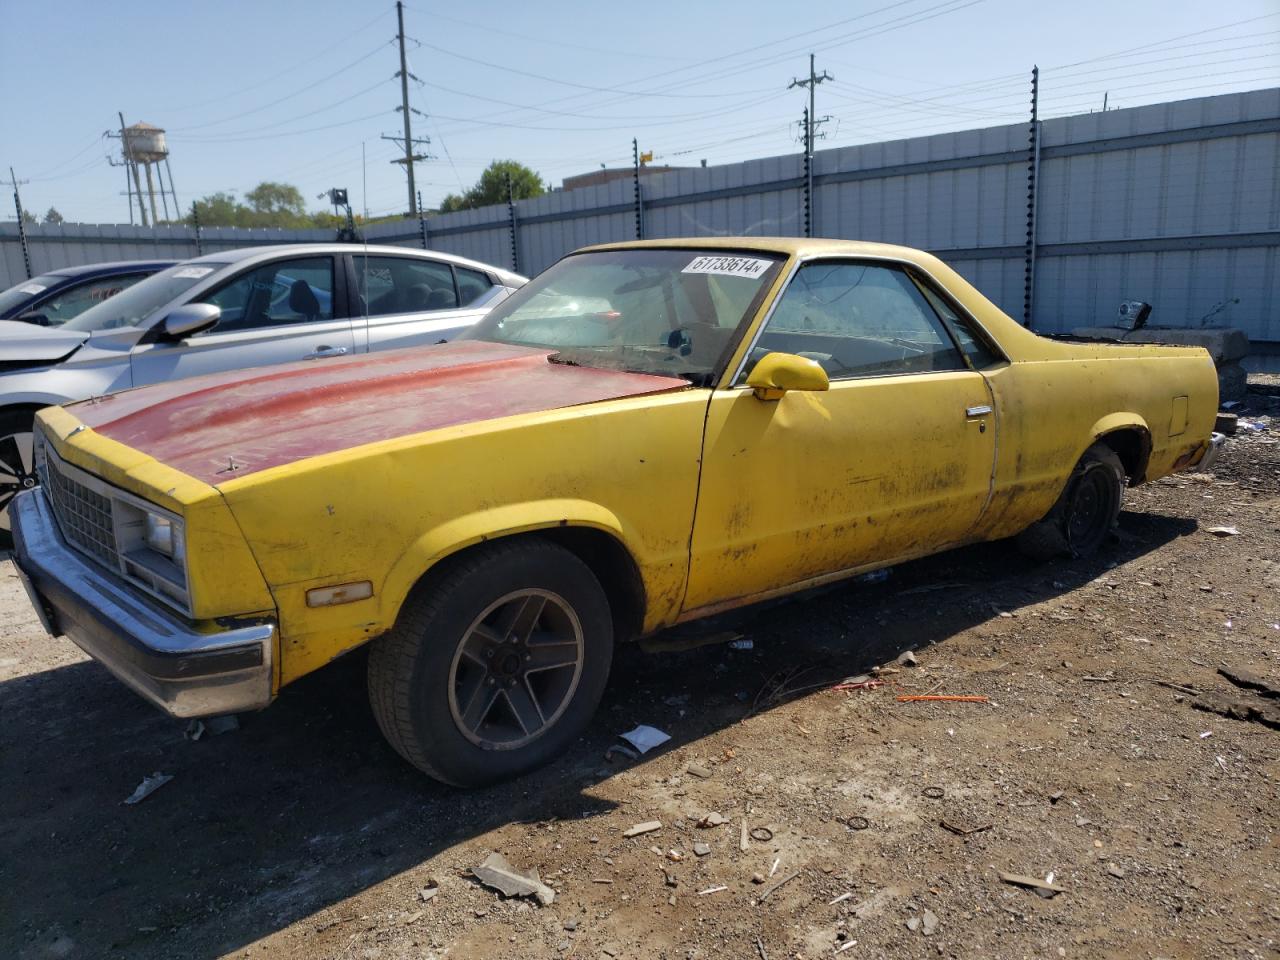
x=26, y=290
x=132, y=306
x=670, y=312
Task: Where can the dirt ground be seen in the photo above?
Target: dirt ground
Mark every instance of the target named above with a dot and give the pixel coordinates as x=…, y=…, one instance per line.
x=302, y=835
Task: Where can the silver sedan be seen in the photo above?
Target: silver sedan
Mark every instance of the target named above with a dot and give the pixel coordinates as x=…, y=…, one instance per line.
x=230, y=310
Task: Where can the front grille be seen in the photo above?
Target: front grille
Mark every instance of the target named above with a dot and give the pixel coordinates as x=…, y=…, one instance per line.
x=83, y=515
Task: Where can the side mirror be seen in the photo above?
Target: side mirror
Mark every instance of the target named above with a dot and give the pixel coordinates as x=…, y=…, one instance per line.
x=39, y=319
x=776, y=373
x=189, y=319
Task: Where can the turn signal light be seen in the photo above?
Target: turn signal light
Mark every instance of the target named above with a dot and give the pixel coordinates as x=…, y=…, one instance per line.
x=339, y=593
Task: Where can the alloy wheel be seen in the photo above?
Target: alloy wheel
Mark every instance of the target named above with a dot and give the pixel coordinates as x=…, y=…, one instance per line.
x=17, y=470
x=516, y=669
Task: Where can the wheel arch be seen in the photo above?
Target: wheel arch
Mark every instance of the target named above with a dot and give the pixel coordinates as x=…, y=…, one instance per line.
x=1129, y=437
x=589, y=531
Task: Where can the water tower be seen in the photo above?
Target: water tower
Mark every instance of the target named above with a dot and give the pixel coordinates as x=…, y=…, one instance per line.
x=142, y=146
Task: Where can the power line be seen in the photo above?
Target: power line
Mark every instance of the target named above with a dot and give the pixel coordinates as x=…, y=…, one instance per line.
x=288, y=96
x=490, y=30
x=567, y=113
x=216, y=138
x=224, y=96
x=289, y=133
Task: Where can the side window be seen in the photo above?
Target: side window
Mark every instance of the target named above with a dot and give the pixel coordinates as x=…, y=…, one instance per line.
x=390, y=285
x=472, y=285
x=858, y=320
x=276, y=294
x=979, y=354
x=76, y=300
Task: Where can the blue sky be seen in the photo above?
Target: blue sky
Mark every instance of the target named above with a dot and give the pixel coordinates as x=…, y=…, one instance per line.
x=295, y=91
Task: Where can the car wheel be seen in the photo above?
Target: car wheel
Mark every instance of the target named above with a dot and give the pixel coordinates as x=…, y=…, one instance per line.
x=17, y=471
x=495, y=664
x=1085, y=514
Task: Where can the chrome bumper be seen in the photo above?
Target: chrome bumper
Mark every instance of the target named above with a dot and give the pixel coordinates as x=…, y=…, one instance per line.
x=167, y=660
x=1211, y=451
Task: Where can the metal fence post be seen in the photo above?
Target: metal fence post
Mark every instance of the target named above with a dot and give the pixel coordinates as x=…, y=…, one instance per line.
x=808, y=176
x=195, y=220
x=635, y=180
x=22, y=227
x=1033, y=177
x=422, y=222
x=511, y=223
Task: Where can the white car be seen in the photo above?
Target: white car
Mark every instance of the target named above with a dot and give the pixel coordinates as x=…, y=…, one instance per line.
x=230, y=310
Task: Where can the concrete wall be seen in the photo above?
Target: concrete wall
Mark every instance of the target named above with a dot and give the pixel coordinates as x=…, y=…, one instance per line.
x=1174, y=203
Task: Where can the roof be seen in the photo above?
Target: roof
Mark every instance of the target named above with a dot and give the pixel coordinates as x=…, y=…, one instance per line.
x=113, y=266
x=789, y=246
x=272, y=250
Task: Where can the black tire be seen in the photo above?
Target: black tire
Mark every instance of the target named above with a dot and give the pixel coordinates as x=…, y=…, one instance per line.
x=1086, y=513
x=421, y=671
x=16, y=471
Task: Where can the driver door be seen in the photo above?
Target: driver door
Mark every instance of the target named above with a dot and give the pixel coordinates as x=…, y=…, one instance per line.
x=894, y=461
x=272, y=313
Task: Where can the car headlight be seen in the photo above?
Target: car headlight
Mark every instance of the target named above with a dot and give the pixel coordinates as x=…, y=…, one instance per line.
x=164, y=536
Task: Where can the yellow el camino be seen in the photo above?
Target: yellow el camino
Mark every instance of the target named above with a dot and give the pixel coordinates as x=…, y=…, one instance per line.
x=645, y=434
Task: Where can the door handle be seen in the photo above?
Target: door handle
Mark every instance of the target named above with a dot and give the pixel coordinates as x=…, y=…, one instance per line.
x=323, y=351
x=979, y=411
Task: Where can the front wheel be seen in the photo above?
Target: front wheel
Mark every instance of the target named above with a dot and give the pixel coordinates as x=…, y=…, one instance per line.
x=1085, y=514
x=17, y=469
x=496, y=665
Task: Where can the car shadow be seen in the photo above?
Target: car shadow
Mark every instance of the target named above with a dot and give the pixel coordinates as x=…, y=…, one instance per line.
x=305, y=805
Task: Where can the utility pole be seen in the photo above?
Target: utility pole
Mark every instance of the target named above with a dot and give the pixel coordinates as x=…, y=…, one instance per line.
x=133, y=168
x=22, y=227
x=812, y=121
x=408, y=142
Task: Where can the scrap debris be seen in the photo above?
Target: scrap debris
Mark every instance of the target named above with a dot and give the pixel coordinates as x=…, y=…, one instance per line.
x=684, y=644
x=1262, y=713
x=641, y=828
x=852, y=684
x=644, y=737
x=147, y=787
x=497, y=873
x=943, y=698
x=778, y=886
x=964, y=831
x=1250, y=681
x=1020, y=880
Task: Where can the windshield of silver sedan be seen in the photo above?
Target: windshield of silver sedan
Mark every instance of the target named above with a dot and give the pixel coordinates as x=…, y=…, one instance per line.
x=132, y=307
x=672, y=312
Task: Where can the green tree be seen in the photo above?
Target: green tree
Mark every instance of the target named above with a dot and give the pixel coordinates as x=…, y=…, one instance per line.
x=492, y=187
x=279, y=203
x=219, y=210
x=53, y=216
x=29, y=218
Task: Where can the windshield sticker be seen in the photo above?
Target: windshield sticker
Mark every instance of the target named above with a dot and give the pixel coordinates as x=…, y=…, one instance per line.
x=750, y=267
x=32, y=288
x=192, y=273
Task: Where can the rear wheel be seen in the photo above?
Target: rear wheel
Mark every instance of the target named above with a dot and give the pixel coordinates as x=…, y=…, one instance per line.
x=17, y=469
x=1085, y=514
x=496, y=665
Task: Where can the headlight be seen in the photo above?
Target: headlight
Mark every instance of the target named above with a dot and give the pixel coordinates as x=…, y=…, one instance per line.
x=164, y=536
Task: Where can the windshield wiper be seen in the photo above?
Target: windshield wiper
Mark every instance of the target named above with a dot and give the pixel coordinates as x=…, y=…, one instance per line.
x=562, y=359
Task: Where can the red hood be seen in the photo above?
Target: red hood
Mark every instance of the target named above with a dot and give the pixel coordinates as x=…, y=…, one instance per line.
x=268, y=416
